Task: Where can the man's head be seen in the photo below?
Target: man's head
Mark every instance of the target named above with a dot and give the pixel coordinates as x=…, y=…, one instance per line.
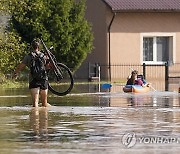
x=134, y=75
x=134, y=72
x=35, y=44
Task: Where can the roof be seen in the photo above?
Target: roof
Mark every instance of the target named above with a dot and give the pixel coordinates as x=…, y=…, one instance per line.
x=144, y=5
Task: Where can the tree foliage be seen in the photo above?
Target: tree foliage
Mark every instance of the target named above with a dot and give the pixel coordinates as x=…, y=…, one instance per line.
x=12, y=48
x=11, y=51
x=61, y=23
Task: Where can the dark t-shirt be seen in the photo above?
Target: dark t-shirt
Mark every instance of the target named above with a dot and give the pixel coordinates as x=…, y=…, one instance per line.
x=137, y=82
x=27, y=61
x=129, y=82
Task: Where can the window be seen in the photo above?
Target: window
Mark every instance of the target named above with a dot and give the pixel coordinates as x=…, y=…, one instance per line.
x=158, y=49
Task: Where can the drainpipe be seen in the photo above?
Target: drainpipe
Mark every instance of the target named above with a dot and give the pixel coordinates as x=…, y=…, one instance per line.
x=109, y=31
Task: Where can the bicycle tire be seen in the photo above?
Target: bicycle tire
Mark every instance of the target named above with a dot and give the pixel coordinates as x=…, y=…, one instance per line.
x=65, y=85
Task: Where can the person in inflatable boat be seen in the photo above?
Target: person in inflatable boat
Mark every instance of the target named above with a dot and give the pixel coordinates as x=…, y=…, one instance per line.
x=136, y=79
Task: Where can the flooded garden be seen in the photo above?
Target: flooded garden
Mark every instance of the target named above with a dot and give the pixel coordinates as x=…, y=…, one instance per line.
x=90, y=120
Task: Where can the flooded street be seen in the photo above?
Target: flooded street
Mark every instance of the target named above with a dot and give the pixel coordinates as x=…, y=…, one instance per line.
x=91, y=121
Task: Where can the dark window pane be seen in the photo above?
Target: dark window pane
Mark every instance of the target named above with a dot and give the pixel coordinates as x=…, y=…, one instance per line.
x=162, y=48
x=148, y=49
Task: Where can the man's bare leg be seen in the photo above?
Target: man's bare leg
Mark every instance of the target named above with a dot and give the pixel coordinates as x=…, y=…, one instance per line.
x=34, y=120
x=43, y=95
x=35, y=96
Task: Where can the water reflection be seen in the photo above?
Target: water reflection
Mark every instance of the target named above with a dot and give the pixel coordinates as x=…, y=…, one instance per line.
x=151, y=99
x=85, y=129
x=88, y=122
x=90, y=98
x=39, y=123
x=139, y=101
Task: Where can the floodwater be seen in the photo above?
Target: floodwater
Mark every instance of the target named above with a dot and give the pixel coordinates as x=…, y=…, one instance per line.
x=90, y=120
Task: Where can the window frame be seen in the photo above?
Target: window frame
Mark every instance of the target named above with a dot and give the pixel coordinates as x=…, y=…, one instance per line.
x=155, y=35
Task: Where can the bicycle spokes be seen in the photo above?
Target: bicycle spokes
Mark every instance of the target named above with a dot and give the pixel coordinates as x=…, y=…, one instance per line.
x=59, y=76
x=61, y=81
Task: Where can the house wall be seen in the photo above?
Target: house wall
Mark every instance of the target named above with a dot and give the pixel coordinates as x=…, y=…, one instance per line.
x=127, y=28
x=125, y=44
x=126, y=47
x=96, y=15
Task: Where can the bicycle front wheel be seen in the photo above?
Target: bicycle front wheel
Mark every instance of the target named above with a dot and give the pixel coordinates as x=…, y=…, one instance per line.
x=60, y=86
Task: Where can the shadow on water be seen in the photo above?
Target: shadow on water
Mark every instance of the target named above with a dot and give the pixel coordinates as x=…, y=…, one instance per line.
x=90, y=120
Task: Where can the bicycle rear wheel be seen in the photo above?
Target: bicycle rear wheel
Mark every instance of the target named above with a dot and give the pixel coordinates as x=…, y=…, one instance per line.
x=62, y=86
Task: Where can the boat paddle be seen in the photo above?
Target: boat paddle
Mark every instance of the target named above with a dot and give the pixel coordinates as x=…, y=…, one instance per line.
x=151, y=87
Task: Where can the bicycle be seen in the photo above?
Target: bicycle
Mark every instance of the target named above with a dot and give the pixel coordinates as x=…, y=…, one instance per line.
x=60, y=77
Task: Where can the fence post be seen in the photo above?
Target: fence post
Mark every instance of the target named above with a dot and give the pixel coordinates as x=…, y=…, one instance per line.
x=99, y=72
x=166, y=76
x=89, y=70
x=144, y=70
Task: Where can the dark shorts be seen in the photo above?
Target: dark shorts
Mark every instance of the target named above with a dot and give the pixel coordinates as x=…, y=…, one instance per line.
x=43, y=85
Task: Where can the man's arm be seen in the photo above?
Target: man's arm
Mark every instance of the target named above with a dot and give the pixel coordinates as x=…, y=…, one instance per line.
x=20, y=67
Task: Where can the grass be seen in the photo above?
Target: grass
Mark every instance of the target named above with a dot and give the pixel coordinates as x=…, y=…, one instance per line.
x=13, y=84
x=20, y=84
x=78, y=82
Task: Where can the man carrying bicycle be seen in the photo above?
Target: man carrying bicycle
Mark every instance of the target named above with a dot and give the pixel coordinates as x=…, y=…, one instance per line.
x=38, y=80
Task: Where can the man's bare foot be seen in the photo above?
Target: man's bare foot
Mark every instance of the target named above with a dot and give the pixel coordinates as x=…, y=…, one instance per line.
x=48, y=105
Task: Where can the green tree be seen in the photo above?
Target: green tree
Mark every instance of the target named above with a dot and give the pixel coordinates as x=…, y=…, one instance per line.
x=61, y=23
x=12, y=48
x=11, y=52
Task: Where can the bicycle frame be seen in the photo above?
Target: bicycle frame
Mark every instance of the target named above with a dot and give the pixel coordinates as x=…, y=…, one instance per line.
x=48, y=52
x=59, y=73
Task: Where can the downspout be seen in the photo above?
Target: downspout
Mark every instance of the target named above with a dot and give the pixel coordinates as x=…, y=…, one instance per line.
x=109, y=31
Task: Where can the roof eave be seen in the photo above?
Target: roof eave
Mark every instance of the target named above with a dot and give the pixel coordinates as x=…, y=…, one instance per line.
x=145, y=11
x=109, y=6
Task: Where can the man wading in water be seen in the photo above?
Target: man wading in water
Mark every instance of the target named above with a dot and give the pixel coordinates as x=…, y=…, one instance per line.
x=38, y=80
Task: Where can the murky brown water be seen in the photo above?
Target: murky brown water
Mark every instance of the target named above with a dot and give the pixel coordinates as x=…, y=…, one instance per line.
x=89, y=121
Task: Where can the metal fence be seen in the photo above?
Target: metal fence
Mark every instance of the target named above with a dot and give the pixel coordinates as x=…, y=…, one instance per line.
x=167, y=73
x=122, y=71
